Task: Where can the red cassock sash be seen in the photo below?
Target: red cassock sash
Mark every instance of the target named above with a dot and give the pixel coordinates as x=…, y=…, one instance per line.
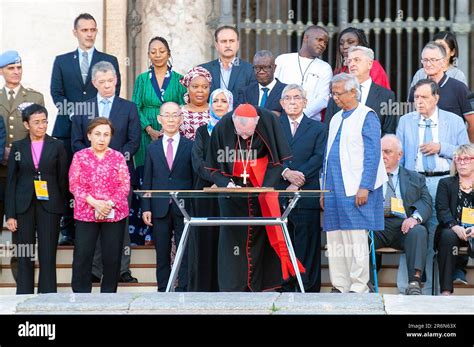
x=270, y=207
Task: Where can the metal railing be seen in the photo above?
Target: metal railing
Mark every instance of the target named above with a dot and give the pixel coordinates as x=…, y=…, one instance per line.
x=397, y=30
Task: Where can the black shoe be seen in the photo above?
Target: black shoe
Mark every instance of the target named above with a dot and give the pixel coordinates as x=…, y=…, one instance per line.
x=335, y=290
x=95, y=279
x=127, y=277
x=66, y=241
x=413, y=288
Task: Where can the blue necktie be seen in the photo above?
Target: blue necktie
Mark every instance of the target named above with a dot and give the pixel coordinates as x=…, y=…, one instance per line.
x=105, y=108
x=264, y=97
x=428, y=160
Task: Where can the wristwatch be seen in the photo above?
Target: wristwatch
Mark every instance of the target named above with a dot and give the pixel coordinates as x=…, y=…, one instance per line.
x=417, y=219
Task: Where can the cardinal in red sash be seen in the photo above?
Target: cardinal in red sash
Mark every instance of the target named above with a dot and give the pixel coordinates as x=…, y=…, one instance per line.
x=247, y=149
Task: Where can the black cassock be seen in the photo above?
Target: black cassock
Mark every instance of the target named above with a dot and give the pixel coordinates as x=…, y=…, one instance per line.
x=203, y=241
x=246, y=259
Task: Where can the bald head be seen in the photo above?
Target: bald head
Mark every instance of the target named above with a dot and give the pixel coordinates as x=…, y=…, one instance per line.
x=392, y=152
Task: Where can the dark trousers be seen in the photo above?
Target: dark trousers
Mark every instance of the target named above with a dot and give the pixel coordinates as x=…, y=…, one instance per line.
x=447, y=244
x=67, y=220
x=111, y=239
x=414, y=243
x=163, y=229
x=36, y=221
x=97, y=268
x=305, y=233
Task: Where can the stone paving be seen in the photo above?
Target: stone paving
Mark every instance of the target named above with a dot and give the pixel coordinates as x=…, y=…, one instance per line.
x=234, y=303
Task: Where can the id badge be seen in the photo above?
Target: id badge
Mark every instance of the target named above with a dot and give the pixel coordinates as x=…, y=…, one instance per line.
x=467, y=216
x=41, y=190
x=397, y=208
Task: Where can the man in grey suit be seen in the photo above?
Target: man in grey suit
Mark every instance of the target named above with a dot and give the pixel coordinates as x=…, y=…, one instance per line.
x=378, y=98
x=229, y=71
x=407, y=205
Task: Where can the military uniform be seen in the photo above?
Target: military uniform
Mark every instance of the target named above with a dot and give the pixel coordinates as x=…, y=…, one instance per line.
x=15, y=130
x=12, y=115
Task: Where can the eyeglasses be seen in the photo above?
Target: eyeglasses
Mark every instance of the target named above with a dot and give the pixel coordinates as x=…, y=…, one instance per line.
x=295, y=98
x=332, y=95
x=466, y=160
x=265, y=68
x=431, y=61
x=170, y=116
x=39, y=122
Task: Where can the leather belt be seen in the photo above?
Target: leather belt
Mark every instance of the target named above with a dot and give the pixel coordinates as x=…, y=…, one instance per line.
x=433, y=174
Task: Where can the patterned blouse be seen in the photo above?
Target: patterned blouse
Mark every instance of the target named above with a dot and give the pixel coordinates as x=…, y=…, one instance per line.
x=192, y=121
x=464, y=200
x=104, y=179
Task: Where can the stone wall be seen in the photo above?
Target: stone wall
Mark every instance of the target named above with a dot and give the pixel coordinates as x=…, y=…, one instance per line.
x=183, y=24
x=40, y=30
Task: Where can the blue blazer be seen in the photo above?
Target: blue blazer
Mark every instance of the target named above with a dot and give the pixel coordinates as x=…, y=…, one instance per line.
x=250, y=95
x=452, y=133
x=157, y=175
x=307, y=147
x=127, y=130
x=67, y=86
x=241, y=76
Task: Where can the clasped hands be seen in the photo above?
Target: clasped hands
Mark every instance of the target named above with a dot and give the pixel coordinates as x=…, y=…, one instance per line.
x=102, y=207
x=296, y=179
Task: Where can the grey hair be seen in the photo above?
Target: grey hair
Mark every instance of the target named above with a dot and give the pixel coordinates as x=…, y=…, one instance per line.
x=394, y=138
x=366, y=50
x=102, y=66
x=264, y=53
x=350, y=82
x=436, y=45
x=293, y=87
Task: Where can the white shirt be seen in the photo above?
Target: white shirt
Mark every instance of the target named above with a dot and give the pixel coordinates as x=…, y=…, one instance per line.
x=314, y=76
x=269, y=86
x=90, y=52
x=175, y=143
x=364, y=89
x=101, y=105
x=441, y=164
x=15, y=91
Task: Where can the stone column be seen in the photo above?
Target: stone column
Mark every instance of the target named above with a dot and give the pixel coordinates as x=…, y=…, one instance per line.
x=115, y=37
x=183, y=24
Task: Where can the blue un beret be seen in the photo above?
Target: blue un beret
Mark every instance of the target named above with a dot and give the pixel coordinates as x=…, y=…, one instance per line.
x=9, y=57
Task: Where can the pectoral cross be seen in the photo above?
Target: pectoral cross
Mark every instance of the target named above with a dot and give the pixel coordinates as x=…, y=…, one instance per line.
x=245, y=175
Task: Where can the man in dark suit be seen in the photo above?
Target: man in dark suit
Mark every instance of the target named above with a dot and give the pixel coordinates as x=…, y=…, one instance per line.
x=126, y=139
x=266, y=92
x=228, y=71
x=168, y=165
x=307, y=139
x=407, y=207
x=71, y=84
x=378, y=98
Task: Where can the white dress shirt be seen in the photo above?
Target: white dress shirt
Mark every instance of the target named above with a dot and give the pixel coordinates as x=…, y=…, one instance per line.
x=364, y=89
x=269, y=86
